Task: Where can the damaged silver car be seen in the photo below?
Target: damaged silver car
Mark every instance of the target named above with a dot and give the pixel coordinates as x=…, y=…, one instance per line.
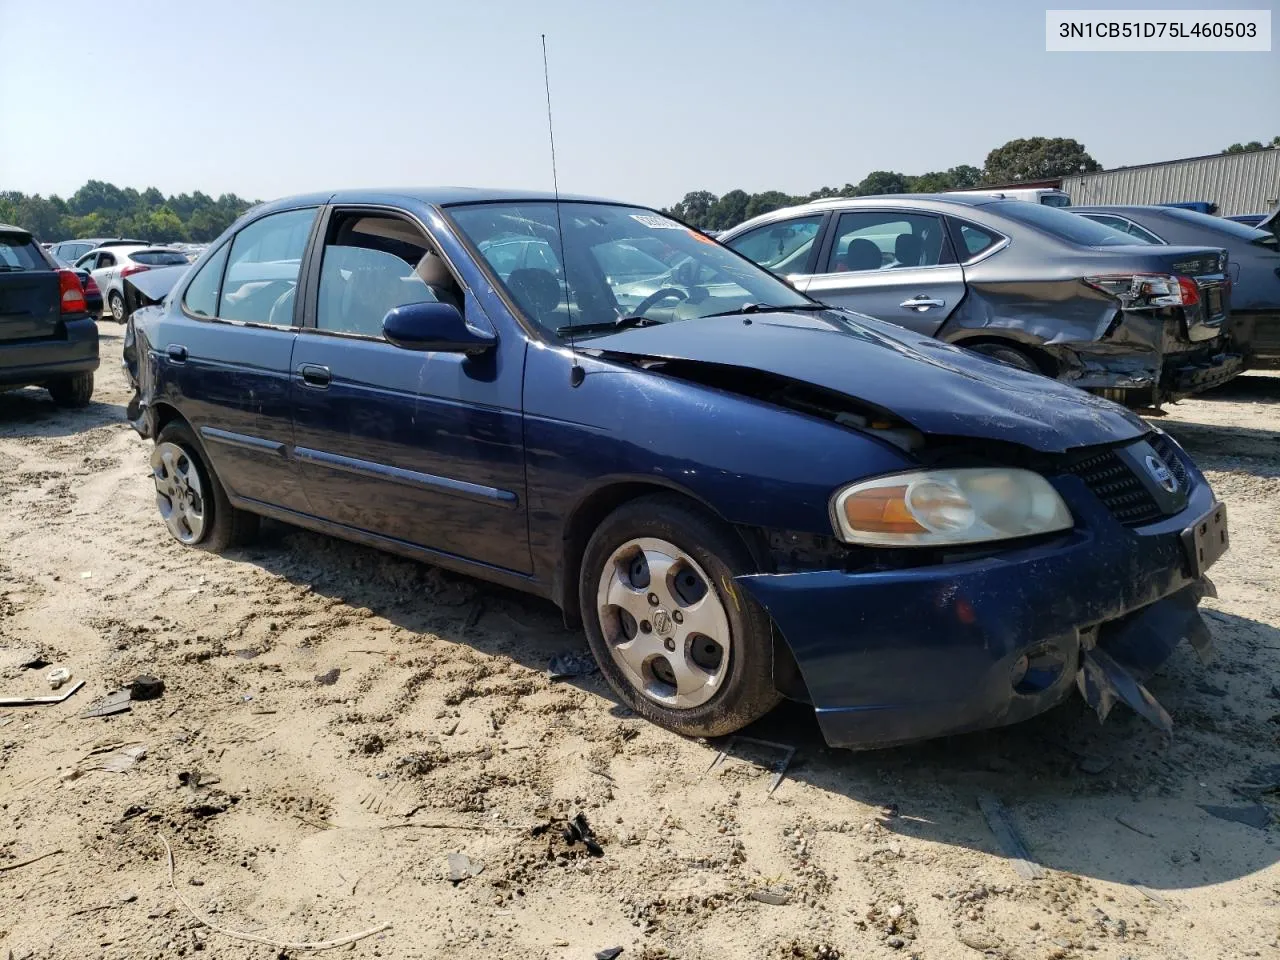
x=1035, y=287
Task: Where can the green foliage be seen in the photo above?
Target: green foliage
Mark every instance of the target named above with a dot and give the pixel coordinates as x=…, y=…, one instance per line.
x=1038, y=158
x=1252, y=145
x=101, y=209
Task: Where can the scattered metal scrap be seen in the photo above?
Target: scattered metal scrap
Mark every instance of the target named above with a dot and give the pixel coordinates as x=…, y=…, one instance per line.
x=40, y=701
x=1103, y=681
x=788, y=753
x=565, y=665
x=117, y=701
x=1252, y=815
x=1006, y=835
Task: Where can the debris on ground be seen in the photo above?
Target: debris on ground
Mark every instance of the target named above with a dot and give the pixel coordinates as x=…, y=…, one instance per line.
x=146, y=687
x=40, y=701
x=329, y=677
x=609, y=953
x=4, y=867
x=35, y=663
x=775, y=896
x=1006, y=834
x=788, y=754
x=1264, y=779
x=565, y=665
x=117, y=701
x=1252, y=815
x=118, y=761
x=57, y=677
x=579, y=831
x=461, y=867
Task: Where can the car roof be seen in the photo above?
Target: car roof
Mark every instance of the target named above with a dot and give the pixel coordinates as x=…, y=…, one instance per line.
x=437, y=196
x=889, y=199
x=10, y=228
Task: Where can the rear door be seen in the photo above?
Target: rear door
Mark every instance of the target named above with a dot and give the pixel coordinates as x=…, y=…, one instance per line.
x=895, y=265
x=229, y=358
x=30, y=307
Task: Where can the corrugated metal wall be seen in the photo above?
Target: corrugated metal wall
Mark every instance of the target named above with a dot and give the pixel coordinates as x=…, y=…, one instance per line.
x=1236, y=182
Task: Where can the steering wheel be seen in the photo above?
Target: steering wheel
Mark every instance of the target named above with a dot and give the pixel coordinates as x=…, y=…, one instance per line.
x=643, y=306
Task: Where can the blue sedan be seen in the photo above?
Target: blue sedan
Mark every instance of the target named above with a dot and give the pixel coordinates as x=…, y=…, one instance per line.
x=741, y=494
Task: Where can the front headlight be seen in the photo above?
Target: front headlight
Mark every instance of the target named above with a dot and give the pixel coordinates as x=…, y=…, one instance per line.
x=946, y=507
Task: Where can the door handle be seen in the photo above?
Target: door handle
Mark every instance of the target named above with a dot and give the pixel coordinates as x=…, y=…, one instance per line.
x=921, y=304
x=314, y=375
x=177, y=353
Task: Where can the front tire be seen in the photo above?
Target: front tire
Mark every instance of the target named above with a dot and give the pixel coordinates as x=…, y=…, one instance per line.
x=115, y=303
x=676, y=639
x=73, y=391
x=191, y=499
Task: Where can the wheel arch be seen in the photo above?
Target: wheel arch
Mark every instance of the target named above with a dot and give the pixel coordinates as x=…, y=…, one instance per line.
x=610, y=494
x=1023, y=344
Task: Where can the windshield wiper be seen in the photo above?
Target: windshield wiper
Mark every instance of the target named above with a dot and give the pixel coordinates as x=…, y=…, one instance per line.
x=769, y=308
x=622, y=323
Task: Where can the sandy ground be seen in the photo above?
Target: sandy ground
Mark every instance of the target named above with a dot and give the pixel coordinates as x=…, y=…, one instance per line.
x=300, y=811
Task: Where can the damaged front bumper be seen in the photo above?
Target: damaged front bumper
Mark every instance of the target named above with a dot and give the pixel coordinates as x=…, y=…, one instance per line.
x=897, y=656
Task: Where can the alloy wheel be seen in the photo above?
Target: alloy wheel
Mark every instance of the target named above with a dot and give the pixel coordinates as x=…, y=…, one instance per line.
x=179, y=493
x=664, y=623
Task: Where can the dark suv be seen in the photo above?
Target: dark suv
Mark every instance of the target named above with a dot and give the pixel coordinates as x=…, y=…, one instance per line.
x=47, y=337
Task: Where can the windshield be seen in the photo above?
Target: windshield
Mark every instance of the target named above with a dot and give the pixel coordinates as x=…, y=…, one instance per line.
x=622, y=262
x=1061, y=224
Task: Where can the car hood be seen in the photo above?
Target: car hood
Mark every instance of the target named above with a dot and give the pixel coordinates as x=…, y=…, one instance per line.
x=936, y=387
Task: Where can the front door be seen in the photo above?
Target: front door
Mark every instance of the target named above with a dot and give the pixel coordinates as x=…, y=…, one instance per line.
x=423, y=448
x=894, y=265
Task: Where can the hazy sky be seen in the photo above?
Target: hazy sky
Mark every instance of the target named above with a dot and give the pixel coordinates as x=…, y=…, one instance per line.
x=651, y=98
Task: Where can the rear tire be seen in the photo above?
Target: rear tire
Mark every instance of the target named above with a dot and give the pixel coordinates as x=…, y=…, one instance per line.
x=115, y=303
x=176, y=457
x=659, y=662
x=73, y=391
x=1009, y=356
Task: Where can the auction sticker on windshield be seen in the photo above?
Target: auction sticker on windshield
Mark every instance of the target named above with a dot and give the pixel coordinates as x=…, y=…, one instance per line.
x=1122, y=31
x=654, y=222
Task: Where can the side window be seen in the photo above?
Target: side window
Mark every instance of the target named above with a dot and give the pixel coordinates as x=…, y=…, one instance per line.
x=106, y=260
x=887, y=240
x=1140, y=233
x=262, y=269
x=975, y=239
x=201, y=298
x=783, y=247
x=372, y=264
x=88, y=262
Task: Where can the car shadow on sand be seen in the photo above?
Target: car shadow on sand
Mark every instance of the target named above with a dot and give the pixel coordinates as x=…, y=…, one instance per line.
x=1228, y=447
x=1114, y=801
x=31, y=412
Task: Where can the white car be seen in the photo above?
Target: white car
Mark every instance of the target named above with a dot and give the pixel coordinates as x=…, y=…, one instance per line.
x=110, y=265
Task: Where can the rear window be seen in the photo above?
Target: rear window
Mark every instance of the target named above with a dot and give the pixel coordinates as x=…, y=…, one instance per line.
x=1241, y=231
x=19, y=253
x=1059, y=223
x=158, y=258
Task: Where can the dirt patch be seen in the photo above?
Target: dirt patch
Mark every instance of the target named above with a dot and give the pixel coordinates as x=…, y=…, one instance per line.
x=305, y=811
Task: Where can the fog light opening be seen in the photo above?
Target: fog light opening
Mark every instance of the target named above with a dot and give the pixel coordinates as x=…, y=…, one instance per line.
x=1037, y=670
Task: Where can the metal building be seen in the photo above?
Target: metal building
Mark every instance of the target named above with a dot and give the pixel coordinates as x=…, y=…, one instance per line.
x=1236, y=182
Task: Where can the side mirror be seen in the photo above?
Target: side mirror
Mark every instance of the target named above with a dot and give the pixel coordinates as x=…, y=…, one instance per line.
x=434, y=326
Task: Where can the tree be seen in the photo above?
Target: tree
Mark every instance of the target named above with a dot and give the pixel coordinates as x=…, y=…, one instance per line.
x=1038, y=158
x=1249, y=147
x=100, y=209
x=729, y=211
x=882, y=181
x=695, y=208
x=764, y=202
x=964, y=176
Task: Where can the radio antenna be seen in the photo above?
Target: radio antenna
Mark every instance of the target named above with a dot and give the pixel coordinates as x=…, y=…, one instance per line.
x=576, y=373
